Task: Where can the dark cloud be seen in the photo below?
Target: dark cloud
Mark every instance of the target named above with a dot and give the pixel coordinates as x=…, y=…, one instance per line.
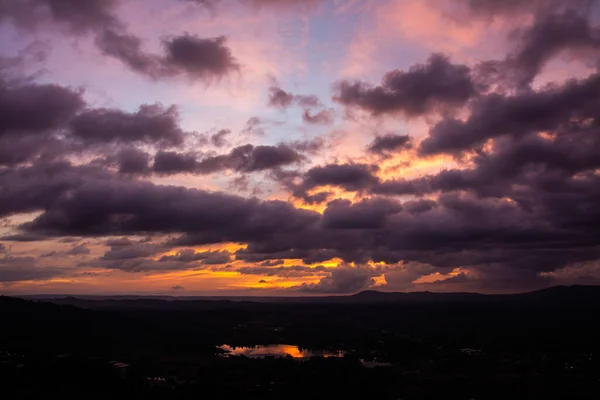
x=353, y=177
x=170, y=162
x=133, y=161
x=23, y=237
x=33, y=108
x=120, y=252
x=121, y=242
x=30, y=114
x=76, y=16
x=45, y=123
x=177, y=287
x=401, y=277
x=517, y=115
x=261, y=4
x=78, y=251
x=150, y=124
x=82, y=16
x=249, y=158
x=521, y=204
x=324, y=117
x=389, y=143
x=366, y=214
x=416, y=187
x=128, y=49
x=508, y=8
x=98, y=206
x=29, y=147
x=424, y=88
x=14, y=269
x=285, y=272
x=281, y=99
x=253, y=127
x=311, y=146
x=136, y=265
x=185, y=55
x=32, y=188
x=218, y=139
x=419, y=206
x=246, y=158
x=343, y=279
x=271, y=263
x=199, y=58
x=551, y=34
x=21, y=273
x=206, y=257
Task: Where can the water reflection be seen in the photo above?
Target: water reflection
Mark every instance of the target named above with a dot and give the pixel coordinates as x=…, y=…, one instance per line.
x=278, y=350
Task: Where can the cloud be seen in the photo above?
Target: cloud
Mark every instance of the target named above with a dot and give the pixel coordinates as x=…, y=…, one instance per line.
x=389, y=143
x=496, y=115
x=170, y=162
x=246, y=158
x=128, y=49
x=121, y=242
x=424, y=88
x=514, y=206
x=262, y=4
x=33, y=108
x=76, y=16
x=78, y=251
x=271, y=263
x=249, y=158
x=507, y=8
x=185, y=55
x=177, y=287
x=133, y=251
x=279, y=98
x=119, y=206
x=324, y=117
x=366, y=214
x=49, y=122
x=344, y=279
x=206, y=257
x=150, y=124
x=198, y=58
x=15, y=269
x=284, y=272
x=311, y=146
x=132, y=161
x=351, y=177
x=218, y=139
x=401, y=277
x=551, y=34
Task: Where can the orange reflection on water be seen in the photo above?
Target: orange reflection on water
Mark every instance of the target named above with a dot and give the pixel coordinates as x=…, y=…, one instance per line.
x=277, y=350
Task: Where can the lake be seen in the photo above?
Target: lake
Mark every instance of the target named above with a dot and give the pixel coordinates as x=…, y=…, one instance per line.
x=277, y=350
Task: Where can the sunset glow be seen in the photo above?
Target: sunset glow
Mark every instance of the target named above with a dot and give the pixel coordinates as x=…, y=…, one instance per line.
x=254, y=147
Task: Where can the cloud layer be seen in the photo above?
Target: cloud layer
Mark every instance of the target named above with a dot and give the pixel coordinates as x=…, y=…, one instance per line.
x=432, y=171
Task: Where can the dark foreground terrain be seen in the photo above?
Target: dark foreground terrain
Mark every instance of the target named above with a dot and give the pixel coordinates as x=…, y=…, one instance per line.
x=539, y=345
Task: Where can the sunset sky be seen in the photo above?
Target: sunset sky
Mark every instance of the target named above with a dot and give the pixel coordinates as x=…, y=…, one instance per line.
x=298, y=147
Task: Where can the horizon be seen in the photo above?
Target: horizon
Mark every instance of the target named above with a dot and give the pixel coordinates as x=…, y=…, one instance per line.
x=271, y=295
x=281, y=148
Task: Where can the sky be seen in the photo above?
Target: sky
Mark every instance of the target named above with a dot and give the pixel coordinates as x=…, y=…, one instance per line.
x=298, y=147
